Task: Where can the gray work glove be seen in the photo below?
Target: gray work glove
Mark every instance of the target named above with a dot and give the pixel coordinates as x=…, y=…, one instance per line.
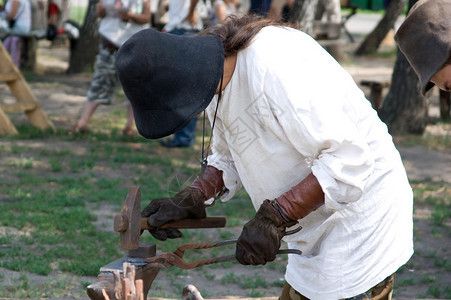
x=187, y=204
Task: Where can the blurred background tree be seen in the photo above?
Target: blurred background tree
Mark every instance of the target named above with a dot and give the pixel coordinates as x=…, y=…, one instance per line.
x=84, y=50
x=405, y=109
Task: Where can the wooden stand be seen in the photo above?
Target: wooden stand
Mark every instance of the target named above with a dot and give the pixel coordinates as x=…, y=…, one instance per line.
x=26, y=101
x=376, y=88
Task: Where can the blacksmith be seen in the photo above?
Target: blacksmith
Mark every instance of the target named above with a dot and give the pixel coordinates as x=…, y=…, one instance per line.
x=292, y=128
x=425, y=39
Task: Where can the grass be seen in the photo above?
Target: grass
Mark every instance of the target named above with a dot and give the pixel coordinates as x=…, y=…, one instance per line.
x=44, y=203
x=63, y=286
x=50, y=183
x=432, y=141
x=46, y=192
x=434, y=197
x=253, y=283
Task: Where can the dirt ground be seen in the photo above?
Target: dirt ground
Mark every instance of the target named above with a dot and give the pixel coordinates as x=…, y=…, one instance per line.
x=62, y=97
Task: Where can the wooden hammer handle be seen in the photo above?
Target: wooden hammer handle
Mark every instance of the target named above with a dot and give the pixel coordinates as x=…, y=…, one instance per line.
x=210, y=222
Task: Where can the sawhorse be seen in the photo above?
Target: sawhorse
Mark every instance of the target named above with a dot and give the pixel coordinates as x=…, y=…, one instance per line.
x=26, y=101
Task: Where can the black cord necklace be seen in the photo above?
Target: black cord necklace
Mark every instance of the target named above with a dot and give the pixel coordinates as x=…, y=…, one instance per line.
x=204, y=162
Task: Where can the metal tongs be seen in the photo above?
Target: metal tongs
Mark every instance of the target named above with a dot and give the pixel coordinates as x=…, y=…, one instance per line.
x=170, y=259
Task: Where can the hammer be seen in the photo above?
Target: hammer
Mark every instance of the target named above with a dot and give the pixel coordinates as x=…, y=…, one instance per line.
x=130, y=224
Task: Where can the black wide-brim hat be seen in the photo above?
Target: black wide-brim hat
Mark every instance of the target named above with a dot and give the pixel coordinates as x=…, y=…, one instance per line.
x=425, y=38
x=169, y=79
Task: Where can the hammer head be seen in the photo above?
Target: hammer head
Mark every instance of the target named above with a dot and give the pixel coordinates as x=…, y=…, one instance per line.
x=128, y=223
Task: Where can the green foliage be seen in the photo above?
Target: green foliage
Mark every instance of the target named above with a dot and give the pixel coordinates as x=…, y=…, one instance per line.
x=441, y=214
x=61, y=287
x=406, y=282
x=427, y=279
x=254, y=282
x=209, y=276
x=230, y=278
x=255, y=294
x=439, y=292
x=433, y=141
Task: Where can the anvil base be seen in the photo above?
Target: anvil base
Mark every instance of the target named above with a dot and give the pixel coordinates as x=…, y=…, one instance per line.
x=105, y=279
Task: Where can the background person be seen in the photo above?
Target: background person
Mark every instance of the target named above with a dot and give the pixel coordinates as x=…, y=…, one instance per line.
x=425, y=39
x=58, y=12
x=260, y=7
x=18, y=15
x=331, y=9
x=184, y=18
x=286, y=11
x=305, y=154
x=119, y=22
x=221, y=10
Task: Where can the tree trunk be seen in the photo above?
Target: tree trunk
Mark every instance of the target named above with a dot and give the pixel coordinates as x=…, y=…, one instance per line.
x=404, y=110
x=303, y=14
x=445, y=106
x=84, y=50
x=374, y=39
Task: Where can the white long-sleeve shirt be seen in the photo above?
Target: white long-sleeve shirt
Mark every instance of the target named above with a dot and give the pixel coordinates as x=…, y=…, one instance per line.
x=177, y=13
x=22, y=18
x=291, y=109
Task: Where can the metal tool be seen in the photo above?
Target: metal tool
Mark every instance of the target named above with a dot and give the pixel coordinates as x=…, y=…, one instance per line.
x=130, y=224
x=169, y=259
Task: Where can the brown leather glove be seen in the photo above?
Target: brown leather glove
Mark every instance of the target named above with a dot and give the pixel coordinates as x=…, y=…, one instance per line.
x=302, y=199
x=259, y=241
x=260, y=238
x=188, y=203
x=210, y=184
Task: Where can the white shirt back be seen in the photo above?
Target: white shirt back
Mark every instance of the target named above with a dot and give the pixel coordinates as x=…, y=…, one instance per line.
x=291, y=109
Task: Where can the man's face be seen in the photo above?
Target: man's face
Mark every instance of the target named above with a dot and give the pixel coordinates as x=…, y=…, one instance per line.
x=443, y=78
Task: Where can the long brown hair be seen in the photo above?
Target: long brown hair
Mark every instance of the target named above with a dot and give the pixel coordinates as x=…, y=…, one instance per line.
x=237, y=32
x=448, y=62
